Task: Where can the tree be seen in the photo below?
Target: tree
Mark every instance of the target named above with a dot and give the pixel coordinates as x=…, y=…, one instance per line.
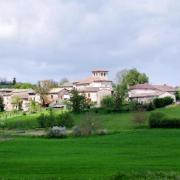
x=24, y=86
x=34, y=106
x=1, y=104
x=14, y=81
x=78, y=102
x=108, y=103
x=63, y=81
x=42, y=89
x=126, y=78
x=17, y=101
x=118, y=96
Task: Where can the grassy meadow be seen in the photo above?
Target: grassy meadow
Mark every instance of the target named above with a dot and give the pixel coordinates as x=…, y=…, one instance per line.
x=97, y=157
x=126, y=149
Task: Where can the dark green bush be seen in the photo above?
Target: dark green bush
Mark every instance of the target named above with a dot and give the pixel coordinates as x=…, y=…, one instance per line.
x=65, y=119
x=49, y=120
x=162, y=102
x=107, y=103
x=159, y=120
x=149, y=175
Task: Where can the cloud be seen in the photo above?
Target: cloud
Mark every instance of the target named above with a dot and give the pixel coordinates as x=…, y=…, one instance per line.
x=57, y=38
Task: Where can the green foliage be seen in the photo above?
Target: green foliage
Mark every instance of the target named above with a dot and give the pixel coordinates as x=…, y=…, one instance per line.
x=17, y=101
x=43, y=88
x=178, y=95
x=139, y=118
x=134, y=77
x=108, y=103
x=160, y=120
x=23, y=86
x=65, y=119
x=1, y=104
x=78, y=102
x=51, y=119
x=88, y=126
x=149, y=175
x=118, y=97
x=34, y=106
x=128, y=78
x=162, y=102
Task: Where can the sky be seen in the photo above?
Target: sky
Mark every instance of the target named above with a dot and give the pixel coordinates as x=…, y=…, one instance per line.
x=53, y=39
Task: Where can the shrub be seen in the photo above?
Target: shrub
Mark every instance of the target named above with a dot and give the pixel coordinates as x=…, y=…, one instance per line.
x=90, y=125
x=57, y=132
x=108, y=103
x=159, y=120
x=147, y=176
x=132, y=106
x=139, y=118
x=102, y=132
x=162, y=102
x=65, y=119
x=150, y=106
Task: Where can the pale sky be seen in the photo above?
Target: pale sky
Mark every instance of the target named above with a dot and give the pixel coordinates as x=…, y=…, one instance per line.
x=52, y=39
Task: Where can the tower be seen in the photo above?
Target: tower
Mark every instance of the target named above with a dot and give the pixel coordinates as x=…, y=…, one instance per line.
x=102, y=74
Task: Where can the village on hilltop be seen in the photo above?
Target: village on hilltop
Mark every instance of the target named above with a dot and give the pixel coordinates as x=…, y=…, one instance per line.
x=94, y=88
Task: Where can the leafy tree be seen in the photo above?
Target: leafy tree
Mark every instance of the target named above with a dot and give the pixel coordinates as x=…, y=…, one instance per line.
x=78, y=102
x=17, y=101
x=34, y=106
x=24, y=86
x=43, y=88
x=14, y=81
x=108, y=103
x=1, y=104
x=126, y=78
x=118, y=96
x=178, y=95
x=63, y=81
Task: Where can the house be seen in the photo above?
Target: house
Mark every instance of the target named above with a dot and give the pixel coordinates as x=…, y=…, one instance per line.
x=58, y=94
x=145, y=93
x=26, y=95
x=95, y=87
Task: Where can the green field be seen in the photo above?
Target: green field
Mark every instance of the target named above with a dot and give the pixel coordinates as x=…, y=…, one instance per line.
x=90, y=158
x=127, y=150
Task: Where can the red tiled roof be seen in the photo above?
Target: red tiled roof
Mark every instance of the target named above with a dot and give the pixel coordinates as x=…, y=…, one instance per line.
x=91, y=79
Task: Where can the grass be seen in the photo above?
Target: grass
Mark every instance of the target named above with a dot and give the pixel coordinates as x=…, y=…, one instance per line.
x=90, y=157
x=112, y=121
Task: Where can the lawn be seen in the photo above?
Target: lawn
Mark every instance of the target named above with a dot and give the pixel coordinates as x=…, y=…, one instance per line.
x=97, y=157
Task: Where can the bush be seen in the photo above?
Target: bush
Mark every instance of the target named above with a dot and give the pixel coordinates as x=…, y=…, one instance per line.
x=150, y=106
x=102, y=132
x=139, y=118
x=90, y=125
x=45, y=121
x=108, y=103
x=159, y=120
x=57, y=132
x=147, y=176
x=162, y=102
x=65, y=120
x=133, y=105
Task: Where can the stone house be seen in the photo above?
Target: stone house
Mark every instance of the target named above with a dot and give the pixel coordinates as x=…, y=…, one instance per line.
x=145, y=93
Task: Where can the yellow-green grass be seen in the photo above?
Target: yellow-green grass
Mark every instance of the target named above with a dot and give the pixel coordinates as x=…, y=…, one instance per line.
x=97, y=157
